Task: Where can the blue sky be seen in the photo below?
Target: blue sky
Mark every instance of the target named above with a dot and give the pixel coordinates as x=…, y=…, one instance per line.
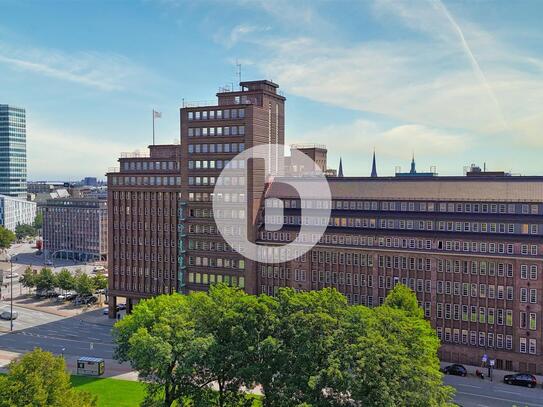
x=454, y=82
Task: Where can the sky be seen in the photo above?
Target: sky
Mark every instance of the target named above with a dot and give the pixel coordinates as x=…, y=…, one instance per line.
x=452, y=82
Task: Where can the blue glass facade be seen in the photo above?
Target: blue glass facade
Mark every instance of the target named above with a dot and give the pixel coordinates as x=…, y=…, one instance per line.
x=12, y=151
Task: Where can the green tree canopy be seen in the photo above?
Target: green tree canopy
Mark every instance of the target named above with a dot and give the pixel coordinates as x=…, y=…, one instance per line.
x=7, y=237
x=84, y=285
x=302, y=348
x=29, y=278
x=38, y=221
x=65, y=280
x=403, y=298
x=99, y=281
x=46, y=279
x=23, y=230
x=40, y=379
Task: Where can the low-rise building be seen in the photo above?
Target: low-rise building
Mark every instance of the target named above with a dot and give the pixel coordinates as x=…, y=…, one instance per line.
x=15, y=211
x=75, y=228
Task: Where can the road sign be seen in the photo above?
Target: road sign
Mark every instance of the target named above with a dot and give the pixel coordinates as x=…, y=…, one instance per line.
x=485, y=358
x=492, y=361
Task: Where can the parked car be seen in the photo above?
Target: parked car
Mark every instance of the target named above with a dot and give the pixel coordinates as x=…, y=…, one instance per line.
x=70, y=295
x=7, y=314
x=455, y=370
x=14, y=275
x=521, y=379
x=48, y=262
x=98, y=269
x=46, y=293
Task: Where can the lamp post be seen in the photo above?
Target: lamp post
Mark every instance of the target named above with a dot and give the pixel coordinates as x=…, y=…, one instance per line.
x=9, y=258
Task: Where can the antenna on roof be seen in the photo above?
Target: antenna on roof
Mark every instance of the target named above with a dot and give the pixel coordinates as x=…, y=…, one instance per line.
x=238, y=72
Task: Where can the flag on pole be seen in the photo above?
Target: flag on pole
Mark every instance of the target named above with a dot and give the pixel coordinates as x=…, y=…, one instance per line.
x=157, y=115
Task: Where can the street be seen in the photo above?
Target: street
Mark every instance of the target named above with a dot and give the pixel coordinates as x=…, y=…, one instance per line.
x=474, y=392
x=78, y=335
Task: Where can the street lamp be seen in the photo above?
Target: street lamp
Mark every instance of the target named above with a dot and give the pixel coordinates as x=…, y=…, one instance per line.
x=9, y=258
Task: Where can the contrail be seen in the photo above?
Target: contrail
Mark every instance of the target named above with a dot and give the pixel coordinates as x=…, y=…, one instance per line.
x=476, y=67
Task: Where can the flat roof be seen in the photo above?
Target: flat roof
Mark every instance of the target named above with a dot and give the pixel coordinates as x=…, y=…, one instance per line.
x=498, y=189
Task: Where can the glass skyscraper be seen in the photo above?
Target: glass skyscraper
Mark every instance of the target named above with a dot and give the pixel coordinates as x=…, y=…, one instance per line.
x=12, y=151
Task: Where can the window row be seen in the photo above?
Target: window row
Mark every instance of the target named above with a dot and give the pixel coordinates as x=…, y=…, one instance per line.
x=127, y=165
x=215, y=164
x=219, y=114
x=152, y=181
x=216, y=148
x=474, y=338
x=226, y=131
x=216, y=262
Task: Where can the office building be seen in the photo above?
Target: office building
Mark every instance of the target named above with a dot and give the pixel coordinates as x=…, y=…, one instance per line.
x=144, y=225
x=15, y=211
x=75, y=228
x=211, y=136
x=13, y=151
x=470, y=247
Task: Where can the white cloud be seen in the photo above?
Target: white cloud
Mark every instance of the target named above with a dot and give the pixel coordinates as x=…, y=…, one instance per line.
x=451, y=78
x=238, y=33
x=398, y=142
x=102, y=71
x=51, y=151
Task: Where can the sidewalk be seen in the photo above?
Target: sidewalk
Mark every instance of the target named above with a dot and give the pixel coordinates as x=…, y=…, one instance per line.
x=497, y=375
x=113, y=369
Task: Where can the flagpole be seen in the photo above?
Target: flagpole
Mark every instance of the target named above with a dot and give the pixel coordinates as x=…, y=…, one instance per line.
x=153, y=126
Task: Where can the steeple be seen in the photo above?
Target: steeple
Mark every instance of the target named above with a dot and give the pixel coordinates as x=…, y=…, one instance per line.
x=340, y=171
x=374, y=167
x=413, y=167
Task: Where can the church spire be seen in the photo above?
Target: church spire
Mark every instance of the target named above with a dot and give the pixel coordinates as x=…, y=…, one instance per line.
x=340, y=171
x=413, y=167
x=374, y=167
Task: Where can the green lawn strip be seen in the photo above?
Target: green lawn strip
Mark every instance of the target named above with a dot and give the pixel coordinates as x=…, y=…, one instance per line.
x=119, y=393
x=111, y=392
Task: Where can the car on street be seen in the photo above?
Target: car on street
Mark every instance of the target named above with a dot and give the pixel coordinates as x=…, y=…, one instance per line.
x=46, y=293
x=48, y=262
x=455, y=370
x=8, y=315
x=70, y=295
x=521, y=379
x=98, y=269
x=14, y=275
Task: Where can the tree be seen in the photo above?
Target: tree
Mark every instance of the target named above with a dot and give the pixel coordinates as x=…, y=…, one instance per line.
x=45, y=280
x=84, y=285
x=180, y=345
x=65, y=280
x=160, y=341
x=29, y=278
x=40, y=379
x=403, y=298
x=23, y=230
x=302, y=348
x=240, y=326
x=305, y=336
x=99, y=281
x=38, y=221
x=7, y=237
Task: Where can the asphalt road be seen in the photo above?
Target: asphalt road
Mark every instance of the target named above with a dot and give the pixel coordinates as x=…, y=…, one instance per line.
x=474, y=392
x=71, y=336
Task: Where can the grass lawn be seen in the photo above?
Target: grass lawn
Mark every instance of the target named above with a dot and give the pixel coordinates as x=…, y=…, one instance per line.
x=118, y=393
x=111, y=392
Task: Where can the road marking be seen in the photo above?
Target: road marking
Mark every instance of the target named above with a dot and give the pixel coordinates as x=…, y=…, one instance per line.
x=482, y=405
x=524, y=403
x=510, y=392
x=469, y=385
